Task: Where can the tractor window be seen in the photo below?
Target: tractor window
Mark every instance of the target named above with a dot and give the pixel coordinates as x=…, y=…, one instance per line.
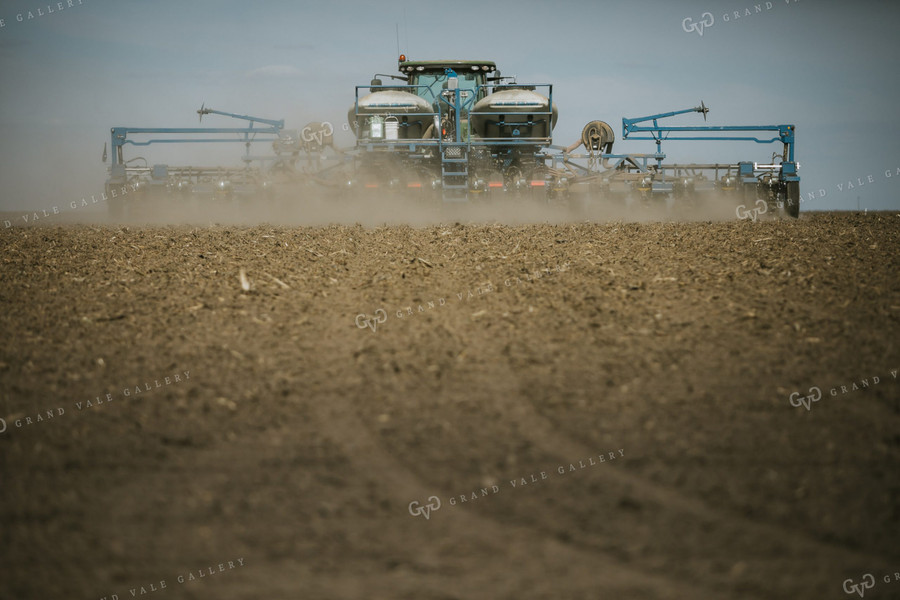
x=435, y=81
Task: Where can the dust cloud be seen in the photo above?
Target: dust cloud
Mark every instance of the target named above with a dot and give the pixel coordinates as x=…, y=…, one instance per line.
x=315, y=205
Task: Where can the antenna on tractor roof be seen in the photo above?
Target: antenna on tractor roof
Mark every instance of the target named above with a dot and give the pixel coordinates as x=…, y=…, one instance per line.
x=405, y=30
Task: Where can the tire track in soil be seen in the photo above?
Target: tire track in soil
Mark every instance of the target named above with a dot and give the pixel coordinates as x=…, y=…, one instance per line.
x=341, y=422
x=340, y=419
x=749, y=533
x=804, y=552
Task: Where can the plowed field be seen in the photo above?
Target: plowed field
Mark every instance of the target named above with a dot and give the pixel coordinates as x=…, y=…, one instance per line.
x=421, y=412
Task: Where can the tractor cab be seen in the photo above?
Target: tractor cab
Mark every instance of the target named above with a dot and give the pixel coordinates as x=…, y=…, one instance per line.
x=432, y=78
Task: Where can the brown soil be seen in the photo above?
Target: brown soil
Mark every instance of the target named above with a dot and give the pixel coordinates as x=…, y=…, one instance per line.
x=303, y=432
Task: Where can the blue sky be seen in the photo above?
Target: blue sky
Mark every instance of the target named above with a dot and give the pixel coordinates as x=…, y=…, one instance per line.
x=827, y=66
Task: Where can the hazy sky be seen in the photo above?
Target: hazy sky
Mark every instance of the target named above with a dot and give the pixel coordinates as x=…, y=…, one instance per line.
x=829, y=67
